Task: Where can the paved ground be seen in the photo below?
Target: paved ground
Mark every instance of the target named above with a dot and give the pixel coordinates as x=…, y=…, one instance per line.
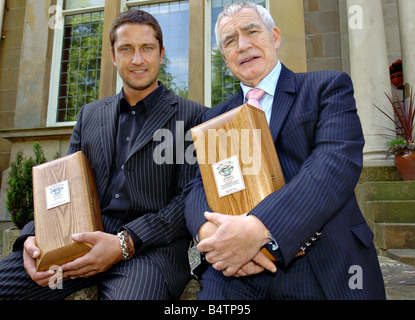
x=399, y=279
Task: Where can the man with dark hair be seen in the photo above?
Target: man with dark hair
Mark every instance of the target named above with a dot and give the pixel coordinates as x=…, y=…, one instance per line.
x=142, y=253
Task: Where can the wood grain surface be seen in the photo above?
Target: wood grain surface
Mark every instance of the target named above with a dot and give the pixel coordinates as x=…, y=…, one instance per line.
x=241, y=132
x=55, y=226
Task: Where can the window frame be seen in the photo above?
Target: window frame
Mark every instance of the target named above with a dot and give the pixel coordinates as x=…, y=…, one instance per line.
x=125, y=5
x=208, y=51
x=52, y=111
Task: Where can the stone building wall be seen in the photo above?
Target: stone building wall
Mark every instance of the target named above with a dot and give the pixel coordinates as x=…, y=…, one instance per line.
x=10, y=53
x=326, y=34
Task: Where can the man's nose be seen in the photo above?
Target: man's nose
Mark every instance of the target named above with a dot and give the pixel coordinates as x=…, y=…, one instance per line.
x=137, y=58
x=243, y=43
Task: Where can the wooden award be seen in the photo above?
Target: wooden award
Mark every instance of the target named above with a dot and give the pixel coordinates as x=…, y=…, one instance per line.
x=238, y=161
x=65, y=202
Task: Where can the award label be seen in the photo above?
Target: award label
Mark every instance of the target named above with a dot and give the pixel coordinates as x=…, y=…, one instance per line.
x=228, y=176
x=57, y=194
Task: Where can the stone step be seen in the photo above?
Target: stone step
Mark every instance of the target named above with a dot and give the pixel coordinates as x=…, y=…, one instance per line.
x=391, y=211
x=403, y=255
x=386, y=173
x=388, y=190
x=394, y=235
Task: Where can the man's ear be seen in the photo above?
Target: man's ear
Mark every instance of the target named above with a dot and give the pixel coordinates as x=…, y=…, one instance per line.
x=113, y=56
x=224, y=59
x=276, y=34
x=162, y=55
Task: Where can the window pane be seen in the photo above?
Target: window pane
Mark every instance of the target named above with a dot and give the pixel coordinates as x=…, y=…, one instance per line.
x=173, y=18
x=76, y=4
x=81, y=63
x=224, y=84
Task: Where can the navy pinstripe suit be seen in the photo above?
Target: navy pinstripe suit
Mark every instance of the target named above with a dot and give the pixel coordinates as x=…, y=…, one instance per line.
x=156, y=210
x=319, y=141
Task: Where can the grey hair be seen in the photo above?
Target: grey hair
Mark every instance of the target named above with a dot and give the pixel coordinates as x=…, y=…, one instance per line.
x=232, y=8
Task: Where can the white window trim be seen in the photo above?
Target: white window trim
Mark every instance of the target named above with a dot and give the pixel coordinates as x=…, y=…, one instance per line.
x=208, y=51
x=57, y=61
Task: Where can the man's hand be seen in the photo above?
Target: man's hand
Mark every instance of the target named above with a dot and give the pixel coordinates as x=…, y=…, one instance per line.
x=105, y=252
x=30, y=253
x=235, y=244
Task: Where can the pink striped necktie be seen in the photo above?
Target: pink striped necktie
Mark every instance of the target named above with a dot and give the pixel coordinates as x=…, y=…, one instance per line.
x=253, y=96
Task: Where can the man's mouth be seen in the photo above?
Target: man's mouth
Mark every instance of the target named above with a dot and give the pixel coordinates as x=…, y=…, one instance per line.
x=138, y=71
x=249, y=59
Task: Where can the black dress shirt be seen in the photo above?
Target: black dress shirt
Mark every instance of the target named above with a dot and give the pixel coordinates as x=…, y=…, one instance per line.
x=130, y=121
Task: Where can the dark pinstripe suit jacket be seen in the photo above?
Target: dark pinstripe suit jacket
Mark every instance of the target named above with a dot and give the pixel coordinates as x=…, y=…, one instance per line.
x=156, y=211
x=319, y=140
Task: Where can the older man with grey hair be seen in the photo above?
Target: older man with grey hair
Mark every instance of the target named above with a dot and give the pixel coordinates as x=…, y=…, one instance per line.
x=319, y=140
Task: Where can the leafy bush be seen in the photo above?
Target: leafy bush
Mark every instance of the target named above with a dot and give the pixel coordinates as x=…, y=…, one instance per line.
x=19, y=202
x=403, y=117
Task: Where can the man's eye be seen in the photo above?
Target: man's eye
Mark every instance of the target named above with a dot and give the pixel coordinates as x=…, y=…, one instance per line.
x=125, y=49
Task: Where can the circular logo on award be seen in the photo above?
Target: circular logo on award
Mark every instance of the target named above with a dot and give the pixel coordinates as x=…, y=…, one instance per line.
x=226, y=170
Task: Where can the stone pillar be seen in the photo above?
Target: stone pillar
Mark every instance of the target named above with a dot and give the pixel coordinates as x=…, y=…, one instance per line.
x=406, y=10
x=196, y=51
x=370, y=74
x=35, y=63
x=108, y=75
x=289, y=18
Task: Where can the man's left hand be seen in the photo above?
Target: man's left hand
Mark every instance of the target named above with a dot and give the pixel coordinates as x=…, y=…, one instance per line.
x=105, y=252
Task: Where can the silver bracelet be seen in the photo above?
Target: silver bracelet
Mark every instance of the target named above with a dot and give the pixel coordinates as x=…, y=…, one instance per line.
x=121, y=239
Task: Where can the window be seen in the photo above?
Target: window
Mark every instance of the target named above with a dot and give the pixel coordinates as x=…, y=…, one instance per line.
x=221, y=84
x=173, y=17
x=76, y=59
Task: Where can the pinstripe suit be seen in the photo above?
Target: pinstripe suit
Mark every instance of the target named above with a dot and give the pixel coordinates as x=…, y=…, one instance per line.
x=156, y=211
x=319, y=141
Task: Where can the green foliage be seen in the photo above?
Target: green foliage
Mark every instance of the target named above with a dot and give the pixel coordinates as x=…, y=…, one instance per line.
x=178, y=88
x=403, y=118
x=19, y=202
x=399, y=145
x=81, y=63
x=224, y=84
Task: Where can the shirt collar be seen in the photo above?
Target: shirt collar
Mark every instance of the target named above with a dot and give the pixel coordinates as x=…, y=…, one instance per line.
x=268, y=84
x=148, y=102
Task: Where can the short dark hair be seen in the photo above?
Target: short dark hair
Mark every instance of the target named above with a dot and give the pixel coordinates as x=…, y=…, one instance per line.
x=135, y=16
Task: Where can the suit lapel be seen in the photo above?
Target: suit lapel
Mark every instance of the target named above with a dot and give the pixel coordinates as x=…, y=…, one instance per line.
x=236, y=101
x=160, y=114
x=108, y=129
x=283, y=100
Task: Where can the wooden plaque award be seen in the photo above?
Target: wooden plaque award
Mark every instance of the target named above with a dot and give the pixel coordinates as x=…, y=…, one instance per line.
x=65, y=202
x=238, y=161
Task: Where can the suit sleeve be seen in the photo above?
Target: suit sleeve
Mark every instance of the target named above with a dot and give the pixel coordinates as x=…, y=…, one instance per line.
x=195, y=201
x=75, y=140
x=326, y=179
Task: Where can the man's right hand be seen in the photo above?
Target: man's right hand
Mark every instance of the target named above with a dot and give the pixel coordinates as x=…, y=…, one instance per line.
x=257, y=265
x=30, y=253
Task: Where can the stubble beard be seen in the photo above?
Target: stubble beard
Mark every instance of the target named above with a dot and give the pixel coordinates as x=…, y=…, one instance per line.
x=140, y=87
